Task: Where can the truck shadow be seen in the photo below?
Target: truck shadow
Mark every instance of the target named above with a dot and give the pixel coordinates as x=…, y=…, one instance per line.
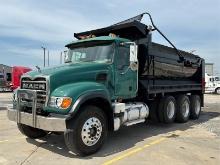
x=124, y=139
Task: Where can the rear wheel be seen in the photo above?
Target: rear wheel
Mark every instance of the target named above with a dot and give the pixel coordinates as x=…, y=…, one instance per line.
x=88, y=133
x=31, y=132
x=183, y=109
x=217, y=91
x=167, y=109
x=195, y=106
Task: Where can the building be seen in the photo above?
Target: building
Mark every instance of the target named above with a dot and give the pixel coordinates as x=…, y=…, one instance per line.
x=6, y=70
x=209, y=68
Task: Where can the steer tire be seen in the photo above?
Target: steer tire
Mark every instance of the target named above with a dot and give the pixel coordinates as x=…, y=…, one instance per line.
x=31, y=132
x=183, y=109
x=74, y=138
x=195, y=107
x=163, y=109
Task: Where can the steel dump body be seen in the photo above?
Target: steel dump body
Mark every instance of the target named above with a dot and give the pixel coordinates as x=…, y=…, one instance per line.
x=166, y=63
x=160, y=68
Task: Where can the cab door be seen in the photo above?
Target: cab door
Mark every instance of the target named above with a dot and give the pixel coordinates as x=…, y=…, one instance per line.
x=125, y=77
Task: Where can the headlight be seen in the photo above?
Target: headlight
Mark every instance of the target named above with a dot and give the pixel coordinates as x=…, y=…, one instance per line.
x=60, y=102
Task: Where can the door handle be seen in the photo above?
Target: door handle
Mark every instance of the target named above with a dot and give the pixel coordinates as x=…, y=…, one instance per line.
x=122, y=73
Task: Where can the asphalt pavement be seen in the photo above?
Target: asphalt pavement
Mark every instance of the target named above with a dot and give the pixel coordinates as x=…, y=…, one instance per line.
x=5, y=99
x=191, y=143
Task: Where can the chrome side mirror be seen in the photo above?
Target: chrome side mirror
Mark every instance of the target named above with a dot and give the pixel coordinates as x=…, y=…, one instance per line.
x=133, y=52
x=133, y=57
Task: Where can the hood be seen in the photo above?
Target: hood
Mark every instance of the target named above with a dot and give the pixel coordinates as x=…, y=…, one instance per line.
x=70, y=73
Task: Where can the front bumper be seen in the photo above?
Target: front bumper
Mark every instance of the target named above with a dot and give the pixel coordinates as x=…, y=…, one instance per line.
x=47, y=123
x=55, y=124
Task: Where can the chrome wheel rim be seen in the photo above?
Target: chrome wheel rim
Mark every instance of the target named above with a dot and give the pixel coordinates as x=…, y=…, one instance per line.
x=197, y=107
x=170, y=110
x=185, y=109
x=218, y=91
x=91, y=131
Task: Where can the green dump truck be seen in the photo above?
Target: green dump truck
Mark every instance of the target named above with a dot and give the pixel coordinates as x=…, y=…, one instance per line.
x=112, y=77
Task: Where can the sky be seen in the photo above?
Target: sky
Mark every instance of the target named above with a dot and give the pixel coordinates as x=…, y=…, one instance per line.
x=26, y=25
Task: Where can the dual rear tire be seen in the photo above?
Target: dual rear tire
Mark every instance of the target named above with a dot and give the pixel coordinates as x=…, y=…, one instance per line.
x=195, y=107
x=167, y=109
x=183, y=109
x=178, y=109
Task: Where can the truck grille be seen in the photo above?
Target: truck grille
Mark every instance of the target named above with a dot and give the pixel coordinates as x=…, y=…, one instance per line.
x=38, y=84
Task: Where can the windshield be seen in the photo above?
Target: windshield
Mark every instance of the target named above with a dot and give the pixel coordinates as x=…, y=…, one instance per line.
x=102, y=53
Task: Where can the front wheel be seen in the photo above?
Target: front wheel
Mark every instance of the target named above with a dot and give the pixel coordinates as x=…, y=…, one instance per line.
x=88, y=132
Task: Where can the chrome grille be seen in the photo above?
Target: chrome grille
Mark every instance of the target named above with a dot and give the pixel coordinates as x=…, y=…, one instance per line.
x=34, y=84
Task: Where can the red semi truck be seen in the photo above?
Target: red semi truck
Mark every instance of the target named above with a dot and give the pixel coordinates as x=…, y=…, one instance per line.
x=17, y=72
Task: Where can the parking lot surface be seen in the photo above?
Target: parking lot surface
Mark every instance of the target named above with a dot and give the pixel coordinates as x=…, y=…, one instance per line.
x=194, y=142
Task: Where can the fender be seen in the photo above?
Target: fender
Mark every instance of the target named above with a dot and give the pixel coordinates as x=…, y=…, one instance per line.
x=87, y=96
x=79, y=92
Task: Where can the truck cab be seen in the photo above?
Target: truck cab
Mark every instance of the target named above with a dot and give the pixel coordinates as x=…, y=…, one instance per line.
x=17, y=72
x=109, y=58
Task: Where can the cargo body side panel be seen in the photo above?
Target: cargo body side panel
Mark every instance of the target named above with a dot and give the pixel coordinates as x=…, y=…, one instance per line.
x=163, y=72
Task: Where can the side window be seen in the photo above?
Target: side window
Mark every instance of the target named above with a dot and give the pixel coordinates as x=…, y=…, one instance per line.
x=78, y=56
x=123, y=57
x=8, y=76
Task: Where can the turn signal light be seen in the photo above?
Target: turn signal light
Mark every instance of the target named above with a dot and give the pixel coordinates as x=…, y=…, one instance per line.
x=66, y=103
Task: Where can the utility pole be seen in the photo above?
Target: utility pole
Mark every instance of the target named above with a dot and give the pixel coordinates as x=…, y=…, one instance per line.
x=65, y=52
x=48, y=58
x=44, y=53
x=61, y=58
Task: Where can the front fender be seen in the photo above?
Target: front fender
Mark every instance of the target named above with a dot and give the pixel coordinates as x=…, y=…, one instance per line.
x=79, y=92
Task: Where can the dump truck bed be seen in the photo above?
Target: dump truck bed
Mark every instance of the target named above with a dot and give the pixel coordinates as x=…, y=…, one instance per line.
x=159, y=67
